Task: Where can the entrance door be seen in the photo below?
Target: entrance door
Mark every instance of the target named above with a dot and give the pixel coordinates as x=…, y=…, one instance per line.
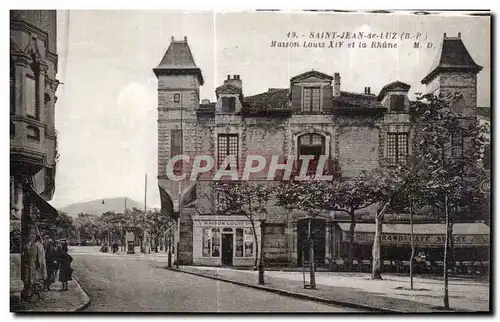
x=318, y=236
x=227, y=249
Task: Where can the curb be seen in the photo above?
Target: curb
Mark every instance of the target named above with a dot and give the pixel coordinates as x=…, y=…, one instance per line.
x=85, y=295
x=298, y=295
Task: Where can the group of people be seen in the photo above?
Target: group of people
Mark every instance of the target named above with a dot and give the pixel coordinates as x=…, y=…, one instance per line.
x=114, y=247
x=49, y=259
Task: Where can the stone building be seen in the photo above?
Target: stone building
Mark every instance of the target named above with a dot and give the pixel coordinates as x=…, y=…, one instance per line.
x=312, y=115
x=33, y=136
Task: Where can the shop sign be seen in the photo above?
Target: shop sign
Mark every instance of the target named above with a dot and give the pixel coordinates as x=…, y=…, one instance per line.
x=419, y=240
x=224, y=223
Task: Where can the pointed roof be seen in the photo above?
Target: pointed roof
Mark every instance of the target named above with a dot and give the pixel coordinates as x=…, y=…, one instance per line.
x=178, y=59
x=229, y=88
x=310, y=73
x=454, y=57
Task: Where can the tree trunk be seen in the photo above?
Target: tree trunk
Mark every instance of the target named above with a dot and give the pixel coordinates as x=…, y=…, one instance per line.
x=377, y=241
x=312, y=268
x=351, y=239
x=412, y=244
x=445, y=263
x=256, y=245
x=451, y=255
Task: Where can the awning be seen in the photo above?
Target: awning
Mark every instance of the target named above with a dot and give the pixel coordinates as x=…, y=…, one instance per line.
x=425, y=235
x=45, y=210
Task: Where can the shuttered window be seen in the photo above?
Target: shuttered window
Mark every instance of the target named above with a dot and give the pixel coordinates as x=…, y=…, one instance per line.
x=397, y=148
x=227, y=145
x=311, y=100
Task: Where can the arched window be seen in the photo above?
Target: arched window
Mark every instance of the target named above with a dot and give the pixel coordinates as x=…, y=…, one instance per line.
x=311, y=144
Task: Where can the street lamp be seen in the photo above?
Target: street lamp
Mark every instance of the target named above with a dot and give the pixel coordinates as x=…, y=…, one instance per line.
x=261, y=217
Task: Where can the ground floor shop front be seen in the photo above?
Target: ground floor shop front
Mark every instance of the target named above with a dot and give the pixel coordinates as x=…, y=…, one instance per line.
x=236, y=241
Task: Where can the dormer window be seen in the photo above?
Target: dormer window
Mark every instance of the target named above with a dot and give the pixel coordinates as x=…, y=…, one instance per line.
x=228, y=104
x=397, y=102
x=311, y=100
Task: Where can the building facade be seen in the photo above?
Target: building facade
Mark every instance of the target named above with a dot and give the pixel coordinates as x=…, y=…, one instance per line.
x=33, y=136
x=312, y=115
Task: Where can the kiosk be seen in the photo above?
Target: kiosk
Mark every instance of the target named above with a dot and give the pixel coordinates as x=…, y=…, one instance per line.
x=130, y=233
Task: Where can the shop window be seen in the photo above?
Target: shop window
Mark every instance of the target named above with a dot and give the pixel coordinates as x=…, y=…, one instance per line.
x=227, y=145
x=215, y=242
x=248, y=237
x=397, y=148
x=311, y=100
x=239, y=243
x=207, y=242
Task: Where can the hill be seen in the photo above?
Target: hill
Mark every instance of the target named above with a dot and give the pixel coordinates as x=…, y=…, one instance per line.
x=99, y=206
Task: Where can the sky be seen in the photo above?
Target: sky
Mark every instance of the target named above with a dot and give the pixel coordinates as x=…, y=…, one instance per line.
x=106, y=112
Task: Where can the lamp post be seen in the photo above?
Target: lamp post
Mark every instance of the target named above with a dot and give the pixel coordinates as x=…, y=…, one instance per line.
x=262, y=215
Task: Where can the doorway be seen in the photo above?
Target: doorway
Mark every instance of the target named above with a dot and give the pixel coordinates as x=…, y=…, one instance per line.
x=227, y=249
x=318, y=236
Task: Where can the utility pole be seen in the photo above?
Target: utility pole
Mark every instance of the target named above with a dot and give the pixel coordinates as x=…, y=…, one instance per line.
x=144, y=243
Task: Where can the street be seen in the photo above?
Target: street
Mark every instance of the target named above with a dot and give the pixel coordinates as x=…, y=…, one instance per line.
x=134, y=283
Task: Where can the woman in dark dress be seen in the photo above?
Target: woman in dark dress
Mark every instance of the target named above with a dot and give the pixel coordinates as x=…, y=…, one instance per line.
x=51, y=256
x=64, y=267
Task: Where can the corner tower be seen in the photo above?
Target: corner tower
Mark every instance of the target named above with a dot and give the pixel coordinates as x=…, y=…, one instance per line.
x=454, y=73
x=179, y=81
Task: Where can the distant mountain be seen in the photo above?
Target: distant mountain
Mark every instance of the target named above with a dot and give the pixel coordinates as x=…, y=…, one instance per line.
x=99, y=206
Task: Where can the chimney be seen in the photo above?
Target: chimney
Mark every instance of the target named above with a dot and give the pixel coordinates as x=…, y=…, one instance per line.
x=459, y=35
x=172, y=38
x=367, y=90
x=205, y=101
x=237, y=81
x=185, y=39
x=445, y=35
x=336, y=84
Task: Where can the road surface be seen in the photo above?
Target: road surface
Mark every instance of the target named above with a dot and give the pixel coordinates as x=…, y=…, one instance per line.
x=133, y=283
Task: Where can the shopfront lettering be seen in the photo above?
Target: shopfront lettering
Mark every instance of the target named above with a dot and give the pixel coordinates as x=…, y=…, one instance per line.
x=221, y=223
x=419, y=240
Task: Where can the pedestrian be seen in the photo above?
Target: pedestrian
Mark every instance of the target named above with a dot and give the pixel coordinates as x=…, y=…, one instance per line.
x=51, y=262
x=38, y=267
x=65, y=270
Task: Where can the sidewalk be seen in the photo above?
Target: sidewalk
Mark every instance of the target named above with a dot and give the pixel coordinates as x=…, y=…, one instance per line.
x=357, y=289
x=73, y=300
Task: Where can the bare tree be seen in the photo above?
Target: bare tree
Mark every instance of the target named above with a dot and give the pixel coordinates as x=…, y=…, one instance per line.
x=247, y=198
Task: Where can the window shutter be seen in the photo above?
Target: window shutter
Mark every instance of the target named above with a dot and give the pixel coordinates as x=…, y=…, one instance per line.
x=397, y=102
